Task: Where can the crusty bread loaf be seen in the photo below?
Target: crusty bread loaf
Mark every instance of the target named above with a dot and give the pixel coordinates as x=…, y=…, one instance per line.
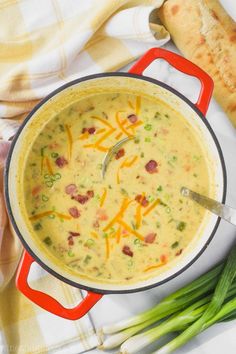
x=206, y=35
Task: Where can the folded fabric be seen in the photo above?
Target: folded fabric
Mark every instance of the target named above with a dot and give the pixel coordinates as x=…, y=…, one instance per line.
x=55, y=41
x=44, y=44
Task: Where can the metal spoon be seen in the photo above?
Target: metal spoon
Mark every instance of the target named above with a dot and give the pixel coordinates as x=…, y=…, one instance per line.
x=225, y=212
x=111, y=152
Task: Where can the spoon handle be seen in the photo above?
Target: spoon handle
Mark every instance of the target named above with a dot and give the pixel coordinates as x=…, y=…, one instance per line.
x=225, y=212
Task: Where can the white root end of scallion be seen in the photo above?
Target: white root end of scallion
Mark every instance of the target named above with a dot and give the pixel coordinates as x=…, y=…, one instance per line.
x=115, y=340
x=135, y=344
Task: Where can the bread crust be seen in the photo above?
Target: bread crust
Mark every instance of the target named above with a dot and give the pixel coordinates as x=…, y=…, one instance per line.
x=206, y=35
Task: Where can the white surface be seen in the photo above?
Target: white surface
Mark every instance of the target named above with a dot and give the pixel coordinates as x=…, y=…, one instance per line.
x=220, y=338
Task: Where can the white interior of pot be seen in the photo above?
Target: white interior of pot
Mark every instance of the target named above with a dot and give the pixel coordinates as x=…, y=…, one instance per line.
x=79, y=91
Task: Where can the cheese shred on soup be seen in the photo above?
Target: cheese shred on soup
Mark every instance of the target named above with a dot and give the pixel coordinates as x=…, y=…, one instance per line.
x=133, y=223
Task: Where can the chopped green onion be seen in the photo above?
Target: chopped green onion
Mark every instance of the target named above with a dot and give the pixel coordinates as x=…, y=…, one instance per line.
x=175, y=244
x=181, y=226
x=38, y=226
x=137, y=241
x=48, y=241
x=89, y=243
x=142, y=154
x=147, y=139
x=57, y=176
x=54, y=155
x=160, y=189
x=49, y=184
x=87, y=259
x=158, y=225
x=70, y=253
x=136, y=140
x=148, y=127
x=168, y=210
x=44, y=198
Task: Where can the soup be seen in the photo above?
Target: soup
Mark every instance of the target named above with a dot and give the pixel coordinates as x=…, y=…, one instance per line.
x=131, y=223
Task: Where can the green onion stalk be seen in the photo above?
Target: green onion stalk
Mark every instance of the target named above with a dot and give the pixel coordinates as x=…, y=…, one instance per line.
x=214, y=310
x=172, y=303
x=177, y=322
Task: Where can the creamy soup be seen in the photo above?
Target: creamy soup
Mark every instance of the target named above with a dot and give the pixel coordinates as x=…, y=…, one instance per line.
x=133, y=222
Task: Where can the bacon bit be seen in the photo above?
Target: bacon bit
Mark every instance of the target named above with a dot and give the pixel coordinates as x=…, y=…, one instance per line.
x=90, y=194
x=132, y=118
x=120, y=153
x=74, y=212
x=74, y=234
x=163, y=258
x=151, y=167
x=101, y=214
x=90, y=130
x=127, y=251
x=36, y=190
x=141, y=199
x=82, y=199
x=179, y=252
x=96, y=224
x=150, y=238
x=70, y=241
x=61, y=161
x=71, y=189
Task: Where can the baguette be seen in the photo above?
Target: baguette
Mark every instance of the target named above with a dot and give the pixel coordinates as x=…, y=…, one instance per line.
x=206, y=35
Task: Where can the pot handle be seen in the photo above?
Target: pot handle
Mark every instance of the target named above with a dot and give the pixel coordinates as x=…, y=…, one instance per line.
x=182, y=65
x=46, y=301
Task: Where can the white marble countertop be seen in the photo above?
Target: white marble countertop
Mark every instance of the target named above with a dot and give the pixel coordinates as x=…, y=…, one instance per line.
x=221, y=337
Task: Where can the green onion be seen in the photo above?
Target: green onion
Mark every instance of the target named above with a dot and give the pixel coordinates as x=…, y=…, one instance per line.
x=172, y=303
x=89, y=243
x=209, y=299
x=38, y=226
x=181, y=226
x=48, y=241
x=147, y=139
x=148, y=127
x=44, y=198
x=87, y=259
x=54, y=155
x=175, y=244
x=70, y=253
x=226, y=278
x=57, y=176
x=142, y=154
x=49, y=184
x=160, y=189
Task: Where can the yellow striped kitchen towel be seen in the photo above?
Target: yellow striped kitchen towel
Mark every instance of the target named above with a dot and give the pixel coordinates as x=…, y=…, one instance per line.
x=44, y=44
